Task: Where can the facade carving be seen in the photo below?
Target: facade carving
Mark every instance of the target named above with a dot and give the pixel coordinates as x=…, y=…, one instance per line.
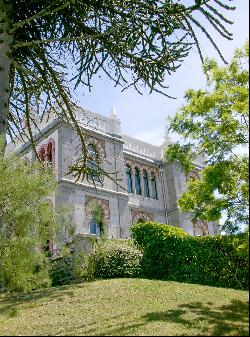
x=99, y=143
x=200, y=228
x=92, y=201
x=141, y=216
x=149, y=169
x=47, y=152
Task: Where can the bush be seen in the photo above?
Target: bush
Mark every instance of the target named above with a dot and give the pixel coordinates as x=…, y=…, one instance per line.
x=170, y=254
x=112, y=258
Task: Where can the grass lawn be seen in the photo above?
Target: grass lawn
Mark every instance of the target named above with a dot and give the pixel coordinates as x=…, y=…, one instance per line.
x=126, y=307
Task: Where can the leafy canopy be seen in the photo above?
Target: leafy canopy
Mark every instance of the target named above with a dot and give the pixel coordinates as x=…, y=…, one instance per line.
x=215, y=124
x=132, y=42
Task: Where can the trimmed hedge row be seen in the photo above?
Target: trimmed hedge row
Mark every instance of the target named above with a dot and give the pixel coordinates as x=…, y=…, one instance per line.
x=171, y=254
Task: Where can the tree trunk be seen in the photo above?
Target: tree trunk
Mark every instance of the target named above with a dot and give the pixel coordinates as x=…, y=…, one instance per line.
x=5, y=61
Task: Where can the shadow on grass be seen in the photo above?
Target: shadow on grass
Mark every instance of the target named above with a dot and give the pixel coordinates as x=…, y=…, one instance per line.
x=207, y=320
x=9, y=302
x=231, y=319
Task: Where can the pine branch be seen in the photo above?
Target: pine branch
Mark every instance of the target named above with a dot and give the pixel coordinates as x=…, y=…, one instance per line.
x=44, y=12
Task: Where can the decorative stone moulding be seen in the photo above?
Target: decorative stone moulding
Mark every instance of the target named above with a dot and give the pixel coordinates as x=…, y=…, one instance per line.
x=90, y=203
x=47, y=152
x=200, y=228
x=100, y=145
x=154, y=171
x=142, y=167
x=130, y=164
x=137, y=215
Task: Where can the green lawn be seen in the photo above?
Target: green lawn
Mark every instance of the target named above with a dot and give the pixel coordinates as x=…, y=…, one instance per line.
x=126, y=307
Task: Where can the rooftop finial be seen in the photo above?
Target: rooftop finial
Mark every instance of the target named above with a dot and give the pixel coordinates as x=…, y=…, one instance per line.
x=113, y=112
x=167, y=127
x=167, y=137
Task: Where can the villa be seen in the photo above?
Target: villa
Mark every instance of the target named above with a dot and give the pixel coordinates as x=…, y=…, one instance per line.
x=148, y=187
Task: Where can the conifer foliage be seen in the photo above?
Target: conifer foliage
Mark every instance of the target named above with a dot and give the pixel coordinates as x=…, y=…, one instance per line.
x=133, y=42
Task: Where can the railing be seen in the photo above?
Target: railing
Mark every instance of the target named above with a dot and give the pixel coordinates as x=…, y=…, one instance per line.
x=139, y=147
x=91, y=121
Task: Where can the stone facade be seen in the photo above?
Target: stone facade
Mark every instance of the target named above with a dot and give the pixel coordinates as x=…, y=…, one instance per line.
x=148, y=187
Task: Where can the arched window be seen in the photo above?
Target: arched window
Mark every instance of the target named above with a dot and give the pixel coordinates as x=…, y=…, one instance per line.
x=92, y=151
x=47, y=153
x=94, y=228
x=145, y=184
x=153, y=186
x=97, y=222
x=137, y=181
x=129, y=179
x=93, y=160
x=50, y=154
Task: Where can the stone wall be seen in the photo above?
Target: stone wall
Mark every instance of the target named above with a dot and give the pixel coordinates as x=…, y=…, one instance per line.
x=67, y=269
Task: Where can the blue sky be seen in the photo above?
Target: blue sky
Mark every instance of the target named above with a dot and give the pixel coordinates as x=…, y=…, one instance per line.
x=144, y=117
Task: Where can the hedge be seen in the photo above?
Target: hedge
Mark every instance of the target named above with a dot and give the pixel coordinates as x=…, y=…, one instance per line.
x=172, y=254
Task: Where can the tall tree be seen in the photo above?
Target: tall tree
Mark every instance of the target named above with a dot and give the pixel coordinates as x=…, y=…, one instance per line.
x=134, y=42
x=27, y=223
x=215, y=124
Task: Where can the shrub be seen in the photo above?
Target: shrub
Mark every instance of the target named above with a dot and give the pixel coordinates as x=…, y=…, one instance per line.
x=112, y=258
x=170, y=254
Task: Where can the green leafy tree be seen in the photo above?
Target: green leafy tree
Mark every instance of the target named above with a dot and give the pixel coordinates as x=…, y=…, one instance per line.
x=215, y=124
x=132, y=42
x=26, y=224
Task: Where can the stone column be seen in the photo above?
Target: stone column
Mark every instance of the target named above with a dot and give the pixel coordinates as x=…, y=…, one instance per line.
x=142, y=181
x=133, y=179
x=149, y=184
